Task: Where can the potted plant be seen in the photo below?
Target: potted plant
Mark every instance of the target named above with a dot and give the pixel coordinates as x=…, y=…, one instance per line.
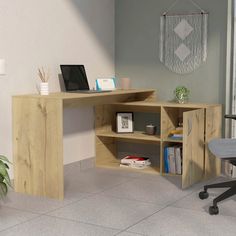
x=181, y=94
x=5, y=181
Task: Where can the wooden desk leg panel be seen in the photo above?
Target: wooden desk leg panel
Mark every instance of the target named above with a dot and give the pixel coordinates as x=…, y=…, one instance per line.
x=213, y=130
x=38, y=146
x=193, y=147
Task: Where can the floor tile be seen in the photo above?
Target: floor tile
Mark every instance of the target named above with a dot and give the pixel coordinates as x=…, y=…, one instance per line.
x=38, y=204
x=92, y=181
x=121, y=172
x=183, y=222
x=10, y=217
x=73, y=168
x=128, y=234
x=104, y=201
x=226, y=207
x=87, y=164
x=50, y=226
x=156, y=190
x=107, y=211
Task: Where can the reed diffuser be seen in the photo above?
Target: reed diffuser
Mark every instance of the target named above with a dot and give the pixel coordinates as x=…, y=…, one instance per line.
x=44, y=77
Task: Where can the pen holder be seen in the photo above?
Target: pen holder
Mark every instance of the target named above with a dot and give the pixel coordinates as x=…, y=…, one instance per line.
x=44, y=90
x=150, y=129
x=125, y=83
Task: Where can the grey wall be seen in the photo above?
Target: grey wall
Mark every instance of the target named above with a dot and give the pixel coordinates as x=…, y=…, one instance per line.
x=136, y=49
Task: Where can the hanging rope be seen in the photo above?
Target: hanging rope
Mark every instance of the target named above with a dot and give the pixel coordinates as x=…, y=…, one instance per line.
x=191, y=1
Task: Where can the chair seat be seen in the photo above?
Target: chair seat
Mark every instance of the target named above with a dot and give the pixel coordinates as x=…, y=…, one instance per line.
x=223, y=148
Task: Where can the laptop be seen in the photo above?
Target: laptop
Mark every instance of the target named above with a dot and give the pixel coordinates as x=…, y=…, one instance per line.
x=75, y=79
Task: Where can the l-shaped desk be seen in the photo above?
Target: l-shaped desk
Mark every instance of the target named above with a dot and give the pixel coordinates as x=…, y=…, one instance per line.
x=38, y=136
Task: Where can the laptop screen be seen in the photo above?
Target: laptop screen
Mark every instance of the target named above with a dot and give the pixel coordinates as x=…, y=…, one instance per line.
x=74, y=77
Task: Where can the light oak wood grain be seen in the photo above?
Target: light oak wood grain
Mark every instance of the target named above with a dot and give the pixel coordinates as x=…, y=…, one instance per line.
x=38, y=146
x=169, y=120
x=213, y=130
x=196, y=161
x=193, y=147
x=135, y=136
x=38, y=136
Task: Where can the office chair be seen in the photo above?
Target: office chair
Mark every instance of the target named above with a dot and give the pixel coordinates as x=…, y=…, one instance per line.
x=226, y=150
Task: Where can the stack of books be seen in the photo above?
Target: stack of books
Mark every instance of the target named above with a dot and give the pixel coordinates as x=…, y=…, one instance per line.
x=177, y=133
x=230, y=169
x=135, y=162
x=173, y=160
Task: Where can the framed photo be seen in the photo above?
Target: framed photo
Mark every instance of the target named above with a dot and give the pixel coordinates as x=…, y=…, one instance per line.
x=124, y=122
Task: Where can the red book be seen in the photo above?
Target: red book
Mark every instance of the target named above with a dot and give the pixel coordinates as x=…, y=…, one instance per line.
x=135, y=159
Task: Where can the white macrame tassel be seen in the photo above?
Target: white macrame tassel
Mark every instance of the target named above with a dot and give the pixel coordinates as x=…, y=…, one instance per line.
x=183, y=41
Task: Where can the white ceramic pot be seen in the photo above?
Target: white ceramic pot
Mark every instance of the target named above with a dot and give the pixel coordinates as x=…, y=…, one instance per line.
x=44, y=90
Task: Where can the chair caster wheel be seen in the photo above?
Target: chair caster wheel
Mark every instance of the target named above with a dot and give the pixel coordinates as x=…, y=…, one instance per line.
x=213, y=210
x=203, y=195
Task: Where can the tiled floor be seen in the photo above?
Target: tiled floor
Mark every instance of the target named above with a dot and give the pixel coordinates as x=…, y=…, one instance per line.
x=111, y=202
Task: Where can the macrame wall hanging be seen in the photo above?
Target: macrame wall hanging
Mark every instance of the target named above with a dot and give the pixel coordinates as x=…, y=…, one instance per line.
x=183, y=39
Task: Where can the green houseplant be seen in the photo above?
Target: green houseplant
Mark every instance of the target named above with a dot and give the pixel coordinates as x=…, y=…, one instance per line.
x=181, y=94
x=5, y=181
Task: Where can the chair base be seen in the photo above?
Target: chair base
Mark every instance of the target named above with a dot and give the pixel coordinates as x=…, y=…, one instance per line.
x=214, y=210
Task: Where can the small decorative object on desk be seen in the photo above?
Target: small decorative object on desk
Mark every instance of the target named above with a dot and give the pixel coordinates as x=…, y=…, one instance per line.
x=150, y=129
x=125, y=83
x=44, y=77
x=181, y=94
x=124, y=122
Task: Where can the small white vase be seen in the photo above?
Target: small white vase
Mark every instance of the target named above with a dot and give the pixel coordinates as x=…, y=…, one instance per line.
x=44, y=90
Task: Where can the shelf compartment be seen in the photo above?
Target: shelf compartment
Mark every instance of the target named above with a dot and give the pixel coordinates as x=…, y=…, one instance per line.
x=135, y=136
x=148, y=170
x=176, y=158
x=138, y=107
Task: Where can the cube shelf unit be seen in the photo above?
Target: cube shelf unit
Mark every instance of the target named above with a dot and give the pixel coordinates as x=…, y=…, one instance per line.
x=201, y=122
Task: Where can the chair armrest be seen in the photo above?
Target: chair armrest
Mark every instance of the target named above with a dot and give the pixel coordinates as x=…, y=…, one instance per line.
x=230, y=117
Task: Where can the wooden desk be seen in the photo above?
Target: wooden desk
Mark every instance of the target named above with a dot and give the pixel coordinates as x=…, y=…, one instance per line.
x=38, y=136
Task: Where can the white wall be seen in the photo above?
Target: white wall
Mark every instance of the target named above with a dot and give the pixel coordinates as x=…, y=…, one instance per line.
x=48, y=33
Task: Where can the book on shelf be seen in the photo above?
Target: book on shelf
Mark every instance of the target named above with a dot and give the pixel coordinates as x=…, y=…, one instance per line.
x=135, y=159
x=135, y=162
x=176, y=133
x=178, y=158
x=166, y=162
x=230, y=169
x=173, y=160
x=177, y=130
x=134, y=166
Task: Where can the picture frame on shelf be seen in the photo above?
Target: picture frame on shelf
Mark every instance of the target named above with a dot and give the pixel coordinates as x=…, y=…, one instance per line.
x=124, y=122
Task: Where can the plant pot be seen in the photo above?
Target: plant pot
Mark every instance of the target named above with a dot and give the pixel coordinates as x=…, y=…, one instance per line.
x=44, y=90
x=181, y=94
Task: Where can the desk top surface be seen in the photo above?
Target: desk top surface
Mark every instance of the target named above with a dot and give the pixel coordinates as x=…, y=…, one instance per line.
x=65, y=95
x=170, y=104
x=111, y=97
